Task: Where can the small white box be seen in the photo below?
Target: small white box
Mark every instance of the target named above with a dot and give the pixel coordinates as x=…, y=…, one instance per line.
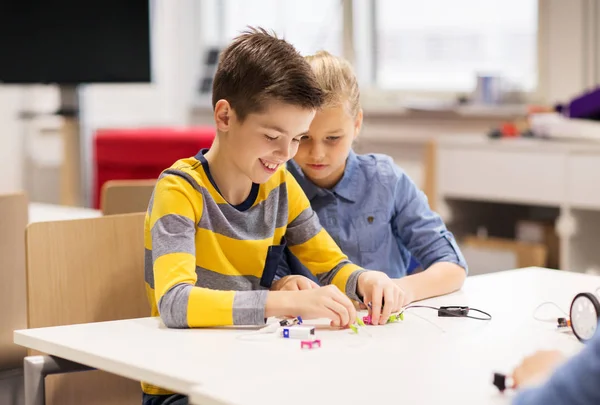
x=298, y=332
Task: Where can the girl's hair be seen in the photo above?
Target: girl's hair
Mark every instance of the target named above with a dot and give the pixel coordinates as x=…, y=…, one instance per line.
x=337, y=80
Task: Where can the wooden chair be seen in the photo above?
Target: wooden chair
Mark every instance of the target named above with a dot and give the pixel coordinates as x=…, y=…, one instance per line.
x=13, y=294
x=126, y=196
x=80, y=271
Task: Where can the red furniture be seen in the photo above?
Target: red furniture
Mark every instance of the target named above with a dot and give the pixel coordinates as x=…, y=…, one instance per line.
x=143, y=153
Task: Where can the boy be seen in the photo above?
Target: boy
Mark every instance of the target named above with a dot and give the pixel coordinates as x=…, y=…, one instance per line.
x=217, y=223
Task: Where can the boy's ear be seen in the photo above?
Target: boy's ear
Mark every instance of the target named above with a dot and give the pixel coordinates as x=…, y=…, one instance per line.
x=358, y=122
x=223, y=115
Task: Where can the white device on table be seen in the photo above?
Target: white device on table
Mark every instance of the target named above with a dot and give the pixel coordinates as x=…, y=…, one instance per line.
x=298, y=332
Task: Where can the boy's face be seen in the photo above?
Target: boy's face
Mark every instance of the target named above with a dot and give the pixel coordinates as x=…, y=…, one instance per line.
x=264, y=141
x=323, y=152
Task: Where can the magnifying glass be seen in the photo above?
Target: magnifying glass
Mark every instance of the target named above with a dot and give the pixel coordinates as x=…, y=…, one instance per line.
x=584, y=314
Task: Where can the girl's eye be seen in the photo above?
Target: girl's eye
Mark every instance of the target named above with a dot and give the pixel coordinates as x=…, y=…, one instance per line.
x=333, y=138
x=270, y=138
x=302, y=138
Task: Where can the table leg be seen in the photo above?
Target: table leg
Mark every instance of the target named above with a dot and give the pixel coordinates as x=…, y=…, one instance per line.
x=35, y=370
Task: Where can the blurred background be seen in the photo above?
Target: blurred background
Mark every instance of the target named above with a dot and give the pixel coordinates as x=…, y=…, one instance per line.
x=489, y=105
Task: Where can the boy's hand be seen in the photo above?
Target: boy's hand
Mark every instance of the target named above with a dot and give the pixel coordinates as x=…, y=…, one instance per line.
x=323, y=302
x=327, y=302
x=537, y=368
x=377, y=288
x=294, y=283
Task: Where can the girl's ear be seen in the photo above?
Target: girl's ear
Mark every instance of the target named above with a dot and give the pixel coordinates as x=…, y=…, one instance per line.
x=358, y=123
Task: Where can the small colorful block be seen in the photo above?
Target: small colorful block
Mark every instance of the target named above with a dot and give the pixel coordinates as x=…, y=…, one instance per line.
x=310, y=344
x=393, y=318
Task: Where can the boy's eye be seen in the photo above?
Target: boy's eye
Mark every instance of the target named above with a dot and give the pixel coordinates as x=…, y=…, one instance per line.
x=333, y=138
x=270, y=138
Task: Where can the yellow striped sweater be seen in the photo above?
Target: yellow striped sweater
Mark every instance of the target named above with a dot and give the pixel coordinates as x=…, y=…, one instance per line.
x=205, y=258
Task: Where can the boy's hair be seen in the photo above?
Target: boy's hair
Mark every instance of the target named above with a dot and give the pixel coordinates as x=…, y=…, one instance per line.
x=257, y=68
x=338, y=81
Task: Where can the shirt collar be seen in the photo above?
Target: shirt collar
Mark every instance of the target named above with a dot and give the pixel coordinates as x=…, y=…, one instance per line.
x=346, y=188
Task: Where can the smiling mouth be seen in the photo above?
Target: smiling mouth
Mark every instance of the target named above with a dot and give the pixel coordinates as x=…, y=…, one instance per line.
x=269, y=165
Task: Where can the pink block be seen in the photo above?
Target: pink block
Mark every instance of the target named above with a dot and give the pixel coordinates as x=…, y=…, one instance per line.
x=310, y=344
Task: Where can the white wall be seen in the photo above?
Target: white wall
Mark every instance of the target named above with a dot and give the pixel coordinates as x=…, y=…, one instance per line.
x=567, y=48
x=10, y=140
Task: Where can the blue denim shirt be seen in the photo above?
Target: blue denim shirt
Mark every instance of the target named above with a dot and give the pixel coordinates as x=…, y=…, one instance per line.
x=379, y=218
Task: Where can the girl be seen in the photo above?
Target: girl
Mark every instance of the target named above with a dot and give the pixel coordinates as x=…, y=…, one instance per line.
x=369, y=205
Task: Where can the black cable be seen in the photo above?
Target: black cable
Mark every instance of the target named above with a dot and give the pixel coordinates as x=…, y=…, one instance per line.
x=457, y=312
x=421, y=306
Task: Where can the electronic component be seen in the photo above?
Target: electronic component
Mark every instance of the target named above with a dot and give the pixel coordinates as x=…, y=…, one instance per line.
x=563, y=323
x=453, y=311
x=272, y=328
x=502, y=382
x=393, y=318
x=355, y=325
x=310, y=344
x=298, y=332
x=582, y=318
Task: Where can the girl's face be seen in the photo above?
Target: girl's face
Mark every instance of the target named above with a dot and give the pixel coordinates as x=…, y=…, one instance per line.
x=323, y=151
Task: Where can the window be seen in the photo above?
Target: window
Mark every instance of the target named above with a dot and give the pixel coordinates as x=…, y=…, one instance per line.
x=310, y=25
x=429, y=46
x=441, y=45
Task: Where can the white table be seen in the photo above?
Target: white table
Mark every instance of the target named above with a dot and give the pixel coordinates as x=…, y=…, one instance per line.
x=40, y=212
x=409, y=362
